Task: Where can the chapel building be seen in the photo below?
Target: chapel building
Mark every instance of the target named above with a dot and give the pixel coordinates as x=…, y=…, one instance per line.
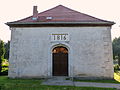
x=60, y=42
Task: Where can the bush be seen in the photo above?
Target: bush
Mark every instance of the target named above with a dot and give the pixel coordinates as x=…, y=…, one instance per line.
x=5, y=65
x=116, y=68
x=4, y=73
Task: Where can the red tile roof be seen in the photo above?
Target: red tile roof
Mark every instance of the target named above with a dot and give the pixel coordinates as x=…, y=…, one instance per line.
x=61, y=14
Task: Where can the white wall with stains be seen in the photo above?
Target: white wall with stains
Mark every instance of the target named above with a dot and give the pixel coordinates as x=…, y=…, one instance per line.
x=90, y=51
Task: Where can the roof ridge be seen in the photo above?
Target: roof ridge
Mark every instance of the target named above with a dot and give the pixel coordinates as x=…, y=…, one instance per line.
x=51, y=9
x=74, y=11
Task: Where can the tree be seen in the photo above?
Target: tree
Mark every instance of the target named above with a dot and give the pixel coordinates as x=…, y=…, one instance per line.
x=116, y=49
x=7, y=49
x=2, y=52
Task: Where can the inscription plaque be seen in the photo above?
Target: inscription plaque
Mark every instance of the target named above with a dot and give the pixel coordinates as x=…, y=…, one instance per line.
x=59, y=37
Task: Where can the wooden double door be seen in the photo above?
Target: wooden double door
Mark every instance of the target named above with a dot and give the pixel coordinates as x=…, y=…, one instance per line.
x=60, y=61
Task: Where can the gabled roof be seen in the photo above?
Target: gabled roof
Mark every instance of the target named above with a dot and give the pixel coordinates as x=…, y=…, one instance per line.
x=60, y=15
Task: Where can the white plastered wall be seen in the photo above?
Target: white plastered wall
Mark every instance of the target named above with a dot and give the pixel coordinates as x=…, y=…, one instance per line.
x=90, y=51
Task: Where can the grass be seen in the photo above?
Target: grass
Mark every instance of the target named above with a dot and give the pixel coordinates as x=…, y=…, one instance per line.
x=5, y=79
x=35, y=84
x=17, y=87
x=99, y=81
x=116, y=80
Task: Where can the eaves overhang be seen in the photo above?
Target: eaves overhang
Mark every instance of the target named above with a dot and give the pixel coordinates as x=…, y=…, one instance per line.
x=55, y=24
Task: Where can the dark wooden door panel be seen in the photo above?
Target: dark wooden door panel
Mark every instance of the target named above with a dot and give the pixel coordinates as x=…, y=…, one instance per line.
x=60, y=64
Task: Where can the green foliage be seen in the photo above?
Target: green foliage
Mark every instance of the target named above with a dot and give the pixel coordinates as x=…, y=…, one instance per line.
x=7, y=49
x=118, y=73
x=117, y=76
x=116, y=68
x=5, y=65
x=2, y=52
x=33, y=84
x=116, y=49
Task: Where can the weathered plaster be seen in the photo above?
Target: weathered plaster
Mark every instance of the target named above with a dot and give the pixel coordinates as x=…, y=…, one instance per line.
x=90, y=51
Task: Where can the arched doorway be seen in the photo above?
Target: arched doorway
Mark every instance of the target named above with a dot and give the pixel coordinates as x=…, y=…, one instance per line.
x=60, y=61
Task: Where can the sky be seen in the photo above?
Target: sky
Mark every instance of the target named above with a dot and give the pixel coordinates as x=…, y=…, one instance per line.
x=12, y=10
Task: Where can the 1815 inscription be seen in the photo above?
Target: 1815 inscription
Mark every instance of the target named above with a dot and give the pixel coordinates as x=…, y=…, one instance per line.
x=60, y=37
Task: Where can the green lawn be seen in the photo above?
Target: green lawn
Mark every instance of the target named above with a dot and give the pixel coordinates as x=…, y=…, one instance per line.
x=99, y=81
x=35, y=84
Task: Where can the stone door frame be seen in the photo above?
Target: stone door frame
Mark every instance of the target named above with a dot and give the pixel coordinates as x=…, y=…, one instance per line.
x=60, y=61
x=50, y=59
